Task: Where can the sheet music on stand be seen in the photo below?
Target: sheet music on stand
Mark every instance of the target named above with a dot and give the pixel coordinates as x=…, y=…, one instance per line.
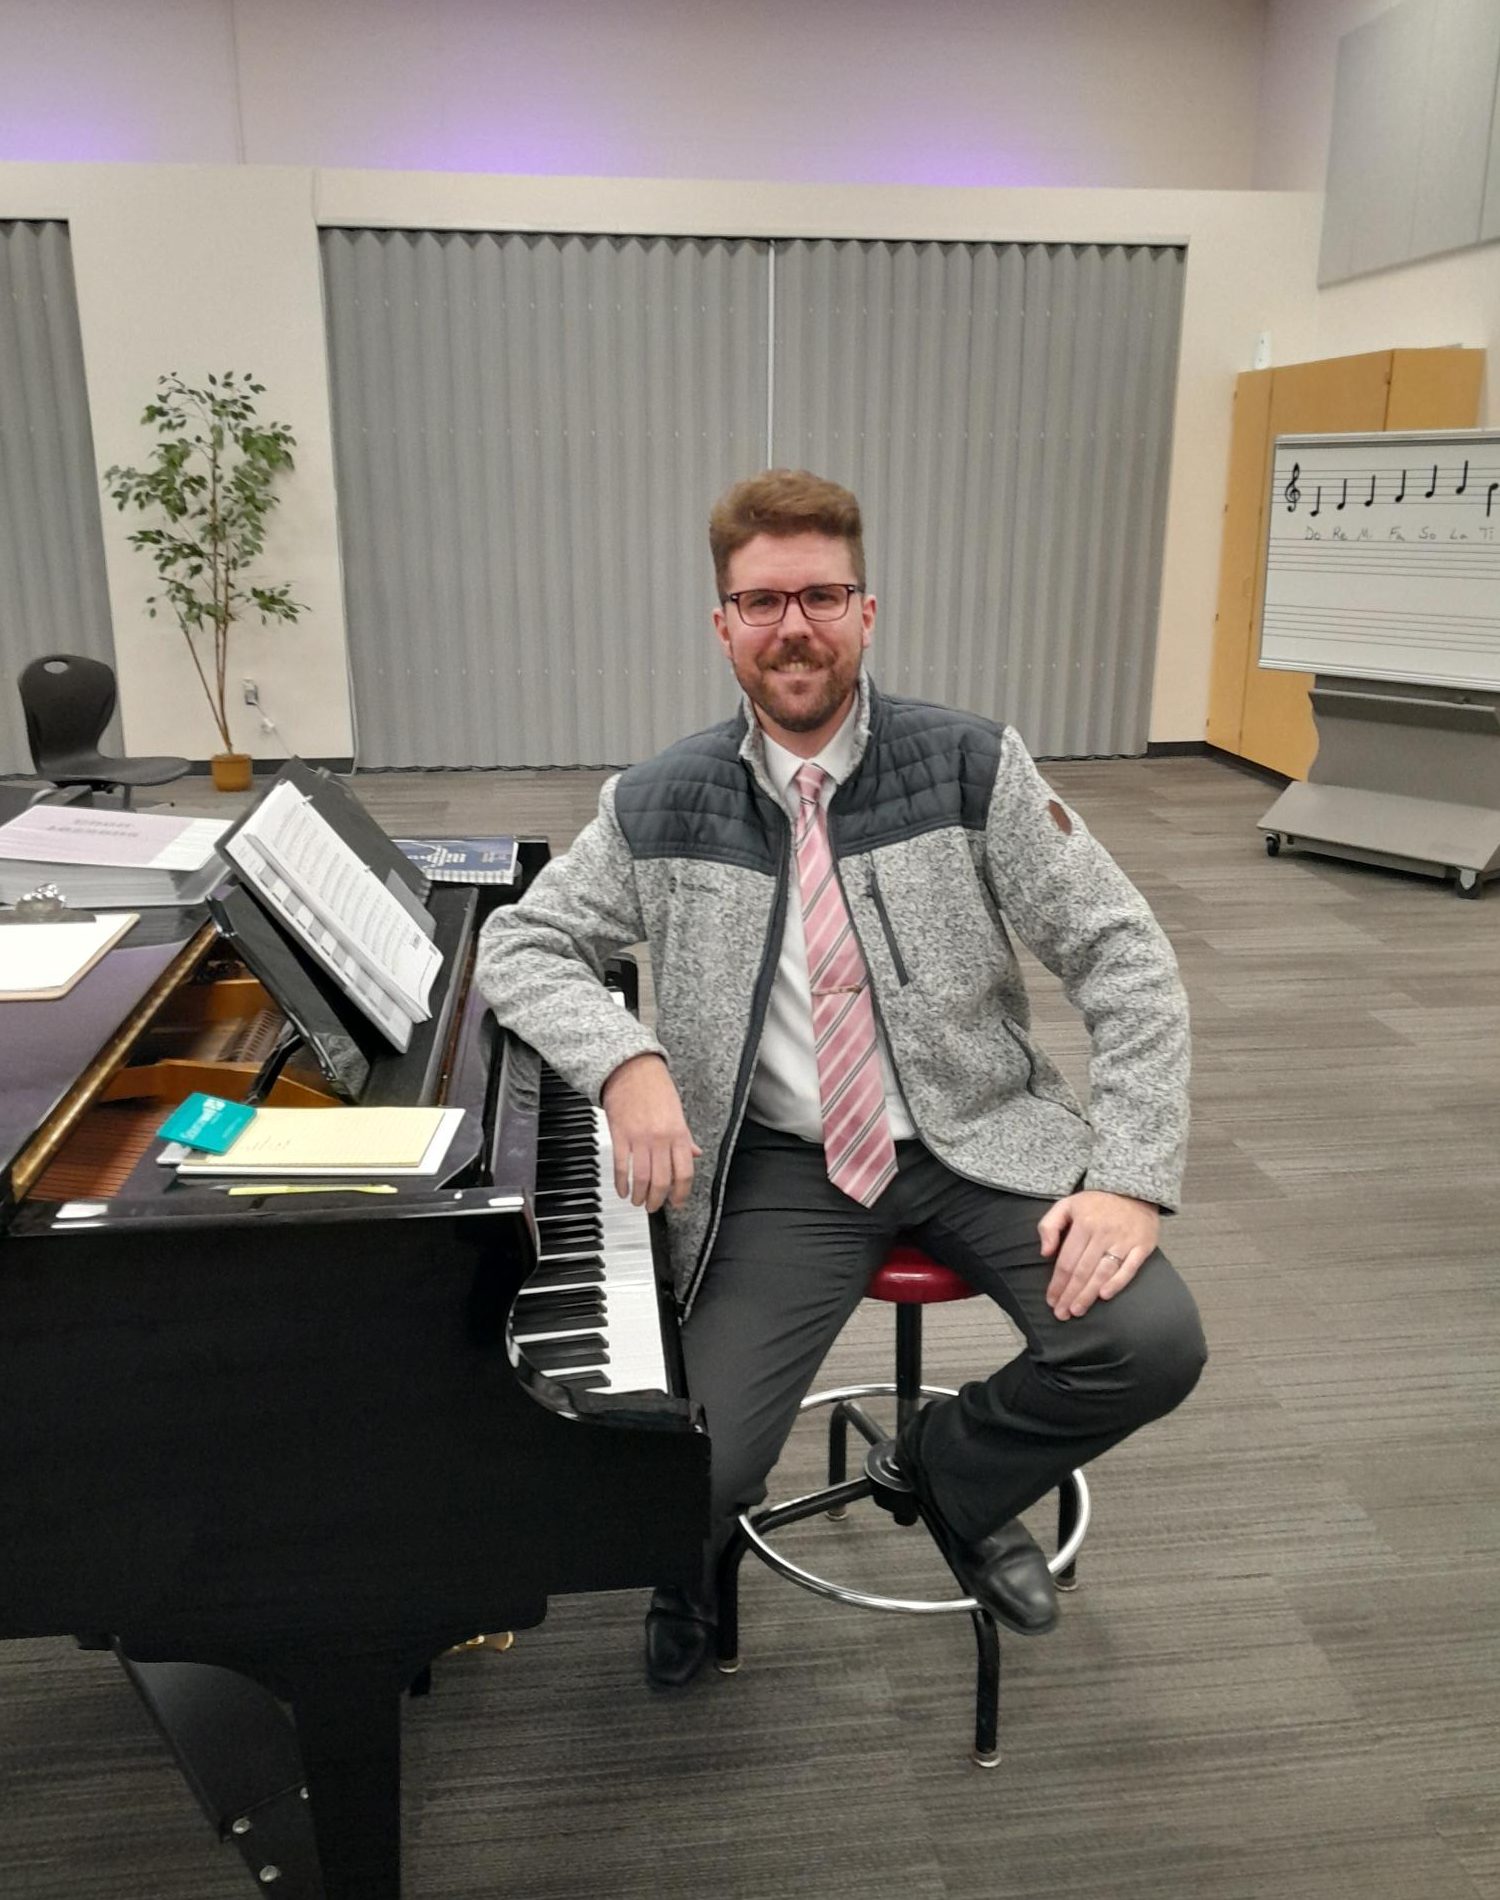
x=337, y=906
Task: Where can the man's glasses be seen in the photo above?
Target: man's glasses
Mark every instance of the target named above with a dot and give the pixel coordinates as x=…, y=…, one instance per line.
x=766, y=606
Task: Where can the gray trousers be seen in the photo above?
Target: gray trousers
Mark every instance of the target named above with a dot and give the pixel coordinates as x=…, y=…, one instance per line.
x=791, y=1261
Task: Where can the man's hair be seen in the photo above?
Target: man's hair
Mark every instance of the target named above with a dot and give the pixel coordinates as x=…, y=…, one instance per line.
x=783, y=501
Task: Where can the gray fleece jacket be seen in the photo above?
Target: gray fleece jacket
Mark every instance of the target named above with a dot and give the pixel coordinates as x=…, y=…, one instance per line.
x=946, y=840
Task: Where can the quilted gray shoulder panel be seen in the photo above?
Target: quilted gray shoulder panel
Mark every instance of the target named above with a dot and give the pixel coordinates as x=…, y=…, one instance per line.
x=698, y=800
x=925, y=767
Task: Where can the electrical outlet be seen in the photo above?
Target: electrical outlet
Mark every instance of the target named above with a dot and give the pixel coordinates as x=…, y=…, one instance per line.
x=252, y=692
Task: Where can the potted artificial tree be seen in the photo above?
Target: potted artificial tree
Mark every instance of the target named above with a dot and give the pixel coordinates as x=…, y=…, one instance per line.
x=213, y=475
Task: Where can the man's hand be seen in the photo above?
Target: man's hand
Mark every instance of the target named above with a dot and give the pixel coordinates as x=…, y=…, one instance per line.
x=654, y=1147
x=1101, y=1242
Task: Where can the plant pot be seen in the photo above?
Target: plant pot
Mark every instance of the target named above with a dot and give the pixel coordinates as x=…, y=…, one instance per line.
x=232, y=771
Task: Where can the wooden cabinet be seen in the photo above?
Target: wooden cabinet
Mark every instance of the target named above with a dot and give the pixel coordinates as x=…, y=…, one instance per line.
x=1254, y=712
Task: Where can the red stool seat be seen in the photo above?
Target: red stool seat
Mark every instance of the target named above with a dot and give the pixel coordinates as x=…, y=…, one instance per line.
x=906, y=1277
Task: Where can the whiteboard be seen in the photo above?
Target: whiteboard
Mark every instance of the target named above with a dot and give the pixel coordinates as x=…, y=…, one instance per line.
x=1383, y=557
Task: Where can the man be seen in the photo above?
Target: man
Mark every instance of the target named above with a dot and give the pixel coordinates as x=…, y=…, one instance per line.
x=827, y=883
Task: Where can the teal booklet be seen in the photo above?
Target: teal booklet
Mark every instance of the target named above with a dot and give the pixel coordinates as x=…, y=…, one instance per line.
x=207, y=1122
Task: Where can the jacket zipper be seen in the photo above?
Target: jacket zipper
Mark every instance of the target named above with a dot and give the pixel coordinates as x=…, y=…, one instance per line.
x=741, y=1095
x=885, y=924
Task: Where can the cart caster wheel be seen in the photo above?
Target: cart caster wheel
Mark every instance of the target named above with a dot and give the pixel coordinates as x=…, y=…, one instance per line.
x=1273, y=845
x=1468, y=884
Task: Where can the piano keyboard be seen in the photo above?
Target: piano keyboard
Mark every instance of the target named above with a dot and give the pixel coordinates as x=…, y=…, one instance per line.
x=588, y=1316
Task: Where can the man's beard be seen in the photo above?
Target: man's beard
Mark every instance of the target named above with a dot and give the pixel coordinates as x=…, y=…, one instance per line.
x=766, y=689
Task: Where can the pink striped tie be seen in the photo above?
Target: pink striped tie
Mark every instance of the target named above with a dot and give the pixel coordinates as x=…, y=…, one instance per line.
x=856, y=1129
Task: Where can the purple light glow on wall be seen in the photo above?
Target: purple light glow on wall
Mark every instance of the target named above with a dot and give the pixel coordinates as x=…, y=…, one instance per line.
x=56, y=141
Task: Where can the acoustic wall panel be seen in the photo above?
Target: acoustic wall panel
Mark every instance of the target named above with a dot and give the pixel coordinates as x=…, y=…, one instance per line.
x=1004, y=413
x=529, y=432
x=1412, y=142
x=53, y=596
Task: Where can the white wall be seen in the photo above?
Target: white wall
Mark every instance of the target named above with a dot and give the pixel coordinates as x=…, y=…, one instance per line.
x=1452, y=299
x=200, y=268
x=1158, y=93
x=206, y=267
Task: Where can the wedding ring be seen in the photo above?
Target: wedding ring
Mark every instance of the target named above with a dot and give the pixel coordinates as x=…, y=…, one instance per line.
x=1114, y=1256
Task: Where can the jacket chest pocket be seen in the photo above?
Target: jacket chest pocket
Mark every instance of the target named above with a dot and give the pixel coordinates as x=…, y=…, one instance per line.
x=883, y=918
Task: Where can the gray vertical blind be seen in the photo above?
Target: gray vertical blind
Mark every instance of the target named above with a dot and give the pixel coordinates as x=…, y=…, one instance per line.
x=1004, y=413
x=53, y=595
x=529, y=431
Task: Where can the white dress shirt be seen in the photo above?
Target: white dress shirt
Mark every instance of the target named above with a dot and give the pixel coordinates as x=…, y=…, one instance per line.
x=784, y=1089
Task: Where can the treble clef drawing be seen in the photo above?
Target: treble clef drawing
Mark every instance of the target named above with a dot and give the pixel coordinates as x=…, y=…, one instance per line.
x=1292, y=494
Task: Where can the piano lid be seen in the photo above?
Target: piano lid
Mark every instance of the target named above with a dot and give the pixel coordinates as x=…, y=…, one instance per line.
x=46, y=1047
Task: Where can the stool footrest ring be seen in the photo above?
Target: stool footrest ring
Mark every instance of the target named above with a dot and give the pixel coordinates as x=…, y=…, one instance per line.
x=768, y=1517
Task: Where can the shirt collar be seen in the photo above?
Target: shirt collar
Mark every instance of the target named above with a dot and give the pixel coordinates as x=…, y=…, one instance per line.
x=836, y=757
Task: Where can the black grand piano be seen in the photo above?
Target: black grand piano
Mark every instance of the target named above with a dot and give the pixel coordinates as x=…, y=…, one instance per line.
x=282, y=1452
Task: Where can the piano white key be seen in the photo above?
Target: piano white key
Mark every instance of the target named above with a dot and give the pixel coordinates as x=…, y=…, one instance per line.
x=632, y=1319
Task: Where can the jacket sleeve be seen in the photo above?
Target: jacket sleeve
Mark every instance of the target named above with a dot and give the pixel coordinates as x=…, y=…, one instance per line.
x=540, y=963
x=1080, y=916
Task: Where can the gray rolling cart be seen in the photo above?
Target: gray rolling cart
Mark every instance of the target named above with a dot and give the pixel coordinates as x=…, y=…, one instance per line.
x=1383, y=581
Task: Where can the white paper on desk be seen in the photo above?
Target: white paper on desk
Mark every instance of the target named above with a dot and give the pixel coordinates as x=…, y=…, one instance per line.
x=42, y=960
x=339, y=907
x=81, y=834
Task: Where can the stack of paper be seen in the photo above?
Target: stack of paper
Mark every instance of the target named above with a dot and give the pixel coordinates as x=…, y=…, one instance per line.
x=298, y=1142
x=335, y=904
x=103, y=859
x=39, y=962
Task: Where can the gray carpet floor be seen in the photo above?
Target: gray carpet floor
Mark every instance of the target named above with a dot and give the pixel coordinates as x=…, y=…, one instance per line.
x=1280, y=1679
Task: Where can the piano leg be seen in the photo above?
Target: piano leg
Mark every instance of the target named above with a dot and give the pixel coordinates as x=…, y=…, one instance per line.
x=349, y=1730
x=235, y=1748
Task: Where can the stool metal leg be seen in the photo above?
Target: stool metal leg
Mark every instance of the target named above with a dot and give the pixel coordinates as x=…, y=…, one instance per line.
x=908, y=1365
x=838, y=1453
x=1067, y=1522
x=845, y=1413
x=986, y=1692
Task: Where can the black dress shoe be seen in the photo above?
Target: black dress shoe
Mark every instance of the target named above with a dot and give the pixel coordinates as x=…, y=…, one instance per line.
x=1004, y=1571
x=679, y=1638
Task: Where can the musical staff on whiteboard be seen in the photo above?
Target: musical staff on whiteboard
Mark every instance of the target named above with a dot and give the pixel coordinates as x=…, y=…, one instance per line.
x=1444, y=487
x=1383, y=557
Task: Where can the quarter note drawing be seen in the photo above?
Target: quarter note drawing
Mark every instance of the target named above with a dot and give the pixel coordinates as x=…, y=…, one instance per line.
x=1318, y=504
x=1345, y=496
x=1489, y=500
x=1292, y=493
x=1400, y=494
x=1369, y=499
x=1432, y=490
x=1464, y=483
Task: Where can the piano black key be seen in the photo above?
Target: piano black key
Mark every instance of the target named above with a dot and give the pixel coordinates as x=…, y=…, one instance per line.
x=583, y=1267
x=581, y=1349
x=550, y=1312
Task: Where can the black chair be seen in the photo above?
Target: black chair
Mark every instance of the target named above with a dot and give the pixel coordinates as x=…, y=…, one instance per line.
x=68, y=701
